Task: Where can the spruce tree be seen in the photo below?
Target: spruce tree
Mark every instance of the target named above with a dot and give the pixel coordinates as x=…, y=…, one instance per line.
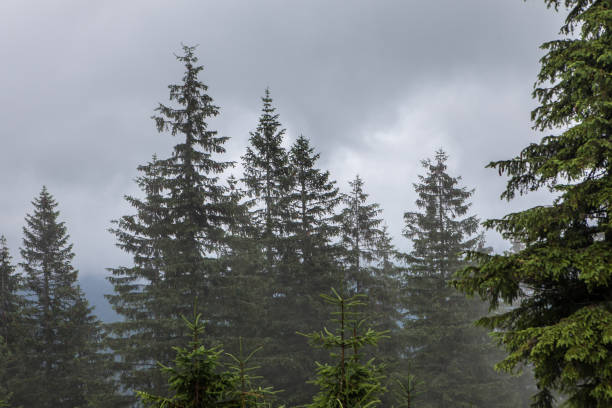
x=266, y=183
x=63, y=362
x=360, y=233
x=449, y=355
x=6, y=358
x=560, y=281
x=245, y=391
x=369, y=266
x=11, y=302
x=266, y=179
x=139, y=340
x=176, y=237
x=368, y=257
x=12, y=327
x=194, y=379
x=350, y=381
x=197, y=204
x=308, y=267
x=244, y=284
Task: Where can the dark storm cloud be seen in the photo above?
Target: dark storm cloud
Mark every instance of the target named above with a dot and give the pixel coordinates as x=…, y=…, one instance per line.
x=377, y=85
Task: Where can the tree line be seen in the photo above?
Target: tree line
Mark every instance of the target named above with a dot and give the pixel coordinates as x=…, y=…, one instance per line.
x=251, y=255
x=248, y=257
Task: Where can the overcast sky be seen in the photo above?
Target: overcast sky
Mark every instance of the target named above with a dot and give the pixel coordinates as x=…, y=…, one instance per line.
x=377, y=85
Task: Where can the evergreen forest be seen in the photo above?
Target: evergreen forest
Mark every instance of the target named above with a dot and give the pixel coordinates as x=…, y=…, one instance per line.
x=264, y=282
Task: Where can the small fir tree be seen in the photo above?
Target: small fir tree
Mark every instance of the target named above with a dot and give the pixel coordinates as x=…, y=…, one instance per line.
x=245, y=391
x=405, y=388
x=194, y=379
x=350, y=382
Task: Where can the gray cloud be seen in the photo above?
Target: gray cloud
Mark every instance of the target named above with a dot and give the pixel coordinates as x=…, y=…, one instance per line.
x=377, y=85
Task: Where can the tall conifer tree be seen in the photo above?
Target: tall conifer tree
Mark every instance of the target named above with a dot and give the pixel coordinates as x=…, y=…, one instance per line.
x=360, y=234
x=140, y=340
x=64, y=366
x=266, y=184
x=244, y=283
x=369, y=266
x=12, y=326
x=560, y=281
x=11, y=302
x=308, y=266
x=266, y=177
x=449, y=355
x=175, y=238
x=368, y=255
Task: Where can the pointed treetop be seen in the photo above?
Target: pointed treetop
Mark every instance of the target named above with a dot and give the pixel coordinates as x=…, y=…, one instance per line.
x=268, y=122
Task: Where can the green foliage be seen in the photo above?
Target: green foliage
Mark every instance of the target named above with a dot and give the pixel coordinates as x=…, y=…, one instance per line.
x=141, y=338
x=560, y=282
x=360, y=232
x=176, y=238
x=368, y=261
x=405, y=388
x=5, y=360
x=244, y=389
x=266, y=180
x=291, y=204
x=450, y=356
x=61, y=358
x=308, y=266
x=11, y=302
x=349, y=382
x=193, y=379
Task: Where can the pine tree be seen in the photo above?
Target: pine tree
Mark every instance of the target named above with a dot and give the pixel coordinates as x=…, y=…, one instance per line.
x=560, y=281
x=176, y=237
x=349, y=382
x=449, y=355
x=63, y=362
